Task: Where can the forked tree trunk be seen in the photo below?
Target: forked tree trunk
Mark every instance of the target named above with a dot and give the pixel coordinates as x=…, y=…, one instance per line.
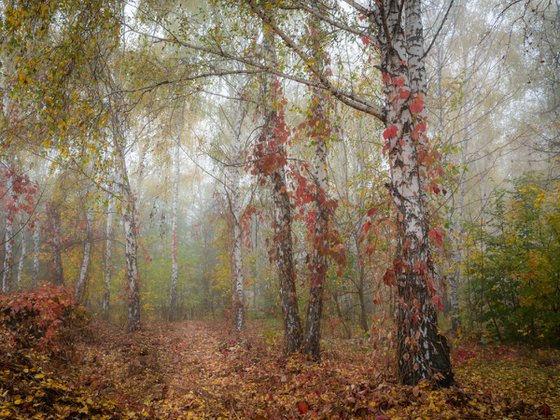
x=285, y=261
x=319, y=126
x=422, y=352
x=107, y=258
x=82, y=279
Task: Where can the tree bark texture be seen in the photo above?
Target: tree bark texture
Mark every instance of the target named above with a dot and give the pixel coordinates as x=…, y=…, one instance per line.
x=53, y=216
x=319, y=126
x=174, y=238
x=36, y=236
x=422, y=352
x=7, y=268
x=22, y=256
x=130, y=251
x=274, y=149
x=80, y=288
x=285, y=261
x=238, y=296
x=107, y=257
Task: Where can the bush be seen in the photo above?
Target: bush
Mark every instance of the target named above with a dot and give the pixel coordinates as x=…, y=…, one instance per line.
x=46, y=318
x=513, y=265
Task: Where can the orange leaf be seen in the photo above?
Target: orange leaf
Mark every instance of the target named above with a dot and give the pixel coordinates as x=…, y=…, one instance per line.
x=302, y=406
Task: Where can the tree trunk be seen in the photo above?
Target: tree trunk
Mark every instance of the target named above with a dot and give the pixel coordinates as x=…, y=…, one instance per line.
x=285, y=261
x=107, y=263
x=174, y=239
x=82, y=279
x=319, y=134
x=128, y=206
x=422, y=352
x=21, y=258
x=273, y=148
x=347, y=330
x=8, y=236
x=362, y=298
x=36, y=250
x=53, y=216
x=130, y=249
x=238, y=294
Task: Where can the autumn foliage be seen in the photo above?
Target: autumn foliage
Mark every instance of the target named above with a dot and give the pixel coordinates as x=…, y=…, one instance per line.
x=44, y=318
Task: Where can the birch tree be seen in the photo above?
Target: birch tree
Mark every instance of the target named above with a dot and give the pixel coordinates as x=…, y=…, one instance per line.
x=80, y=287
x=7, y=267
x=174, y=229
x=22, y=256
x=319, y=132
x=271, y=155
x=107, y=256
x=36, y=237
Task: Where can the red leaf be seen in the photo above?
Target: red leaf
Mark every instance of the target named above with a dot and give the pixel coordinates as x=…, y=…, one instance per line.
x=436, y=300
x=384, y=150
x=404, y=93
x=398, y=81
x=302, y=406
x=431, y=286
x=420, y=268
x=545, y=410
x=365, y=40
x=389, y=278
x=390, y=132
x=417, y=104
x=372, y=212
x=362, y=17
x=399, y=266
x=436, y=236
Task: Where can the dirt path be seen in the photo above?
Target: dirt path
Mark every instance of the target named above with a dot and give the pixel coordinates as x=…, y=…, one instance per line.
x=200, y=369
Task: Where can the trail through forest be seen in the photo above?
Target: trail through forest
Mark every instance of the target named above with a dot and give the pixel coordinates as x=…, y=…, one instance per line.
x=202, y=369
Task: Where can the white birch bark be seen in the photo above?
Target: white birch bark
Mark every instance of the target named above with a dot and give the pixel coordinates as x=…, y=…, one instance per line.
x=7, y=267
x=282, y=212
x=128, y=206
x=54, y=219
x=174, y=235
x=107, y=257
x=21, y=260
x=7, y=72
x=422, y=352
x=319, y=133
x=82, y=278
x=238, y=296
x=36, y=251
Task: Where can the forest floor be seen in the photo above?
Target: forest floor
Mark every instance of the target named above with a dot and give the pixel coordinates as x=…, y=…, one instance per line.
x=200, y=369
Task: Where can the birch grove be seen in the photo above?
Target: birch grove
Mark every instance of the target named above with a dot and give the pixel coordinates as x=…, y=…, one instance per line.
x=373, y=181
